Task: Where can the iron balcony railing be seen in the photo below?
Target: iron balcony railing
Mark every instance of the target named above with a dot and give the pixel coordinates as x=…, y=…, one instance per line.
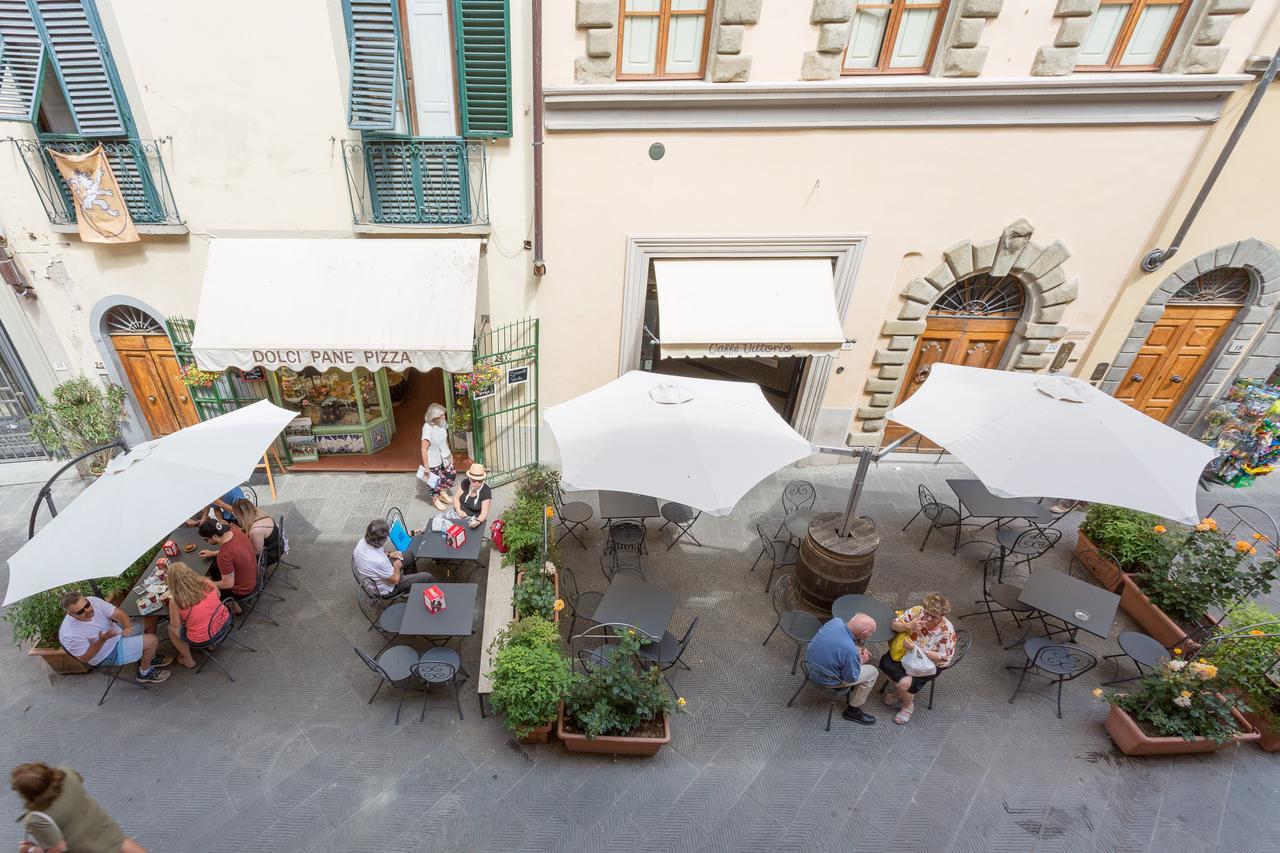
x=413, y=180
x=137, y=164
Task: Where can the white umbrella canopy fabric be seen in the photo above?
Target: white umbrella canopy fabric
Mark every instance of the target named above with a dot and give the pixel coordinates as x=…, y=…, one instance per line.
x=1032, y=435
x=699, y=442
x=143, y=495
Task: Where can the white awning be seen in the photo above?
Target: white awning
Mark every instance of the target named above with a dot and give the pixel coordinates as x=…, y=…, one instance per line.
x=745, y=308
x=350, y=303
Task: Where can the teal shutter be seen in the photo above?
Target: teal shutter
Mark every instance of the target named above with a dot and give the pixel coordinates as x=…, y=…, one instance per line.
x=373, y=42
x=484, y=66
x=21, y=61
x=418, y=181
x=80, y=60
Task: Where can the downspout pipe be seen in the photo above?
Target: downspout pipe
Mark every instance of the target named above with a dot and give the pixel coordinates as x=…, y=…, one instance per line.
x=539, y=265
x=1156, y=257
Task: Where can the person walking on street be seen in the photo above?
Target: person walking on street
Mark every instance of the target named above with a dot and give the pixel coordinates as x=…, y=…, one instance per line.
x=437, y=458
x=61, y=817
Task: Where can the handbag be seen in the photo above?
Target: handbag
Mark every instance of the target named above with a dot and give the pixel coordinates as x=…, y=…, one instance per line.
x=898, y=645
x=431, y=478
x=28, y=843
x=917, y=663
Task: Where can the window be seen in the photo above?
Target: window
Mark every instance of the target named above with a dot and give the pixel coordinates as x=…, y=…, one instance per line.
x=894, y=36
x=1131, y=35
x=1223, y=286
x=981, y=295
x=663, y=39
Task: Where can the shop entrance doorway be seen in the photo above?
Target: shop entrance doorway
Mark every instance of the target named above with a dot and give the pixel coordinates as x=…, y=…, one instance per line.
x=152, y=368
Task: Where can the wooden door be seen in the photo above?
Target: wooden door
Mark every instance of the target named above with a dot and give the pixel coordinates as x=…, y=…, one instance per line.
x=1176, y=349
x=152, y=369
x=971, y=342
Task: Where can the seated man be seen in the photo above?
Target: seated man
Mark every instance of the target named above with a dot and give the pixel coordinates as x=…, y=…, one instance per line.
x=96, y=633
x=835, y=648
x=237, y=565
x=381, y=567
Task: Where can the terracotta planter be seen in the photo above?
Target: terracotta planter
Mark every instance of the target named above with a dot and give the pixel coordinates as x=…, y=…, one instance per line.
x=58, y=660
x=1129, y=738
x=542, y=734
x=614, y=744
x=1268, y=737
x=1152, y=619
x=555, y=582
x=1107, y=572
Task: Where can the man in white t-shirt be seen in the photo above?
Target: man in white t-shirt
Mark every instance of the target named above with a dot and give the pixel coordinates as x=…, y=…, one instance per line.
x=384, y=569
x=96, y=633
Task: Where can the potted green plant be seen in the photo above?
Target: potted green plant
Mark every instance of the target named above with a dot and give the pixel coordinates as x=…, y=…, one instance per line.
x=531, y=676
x=79, y=416
x=522, y=532
x=539, y=485
x=1250, y=662
x=537, y=593
x=1128, y=535
x=618, y=708
x=1182, y=707
x=460, y=426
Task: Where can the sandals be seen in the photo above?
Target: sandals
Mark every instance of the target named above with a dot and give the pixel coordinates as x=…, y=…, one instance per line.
x=904, y=715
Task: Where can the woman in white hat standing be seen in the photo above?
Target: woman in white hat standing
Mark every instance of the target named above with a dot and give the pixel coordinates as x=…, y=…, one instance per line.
x=437, y=459
x=473, y=497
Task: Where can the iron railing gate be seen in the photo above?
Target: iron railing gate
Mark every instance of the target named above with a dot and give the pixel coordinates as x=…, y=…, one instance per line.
x=17, y=401
x=504, y=424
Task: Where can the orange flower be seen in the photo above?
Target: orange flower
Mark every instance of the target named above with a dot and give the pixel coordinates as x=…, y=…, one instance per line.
x=1243, y=547
x=1258, y=536
x=559, y=605
x=1213, y=525
x=551, y=512
x=1255, y=632
x=1159, y=528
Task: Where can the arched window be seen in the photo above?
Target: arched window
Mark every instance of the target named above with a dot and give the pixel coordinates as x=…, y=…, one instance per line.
x=981, y=295
x=1224, y=286
x=127, y=320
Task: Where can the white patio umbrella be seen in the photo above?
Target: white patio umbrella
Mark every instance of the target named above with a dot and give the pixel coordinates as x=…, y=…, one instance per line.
x=699, y=442
x=143, y=495
x=1031, y=435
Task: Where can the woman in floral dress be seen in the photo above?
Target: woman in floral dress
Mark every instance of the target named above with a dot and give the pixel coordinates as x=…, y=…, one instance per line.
x=928, y=628
x=437, y=458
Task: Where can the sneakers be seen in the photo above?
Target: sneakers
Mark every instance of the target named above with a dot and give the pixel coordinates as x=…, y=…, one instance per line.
x=161, y=661
x=152, y=676
x=853, y=715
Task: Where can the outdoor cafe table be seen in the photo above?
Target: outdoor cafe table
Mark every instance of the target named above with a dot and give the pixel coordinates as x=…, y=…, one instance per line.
x=626, y=505
x=845, y=606
x=430, y=545
x=1070, y=600
x=456, y=620
x=183, y=536
x=631, y=601
x=978, y=502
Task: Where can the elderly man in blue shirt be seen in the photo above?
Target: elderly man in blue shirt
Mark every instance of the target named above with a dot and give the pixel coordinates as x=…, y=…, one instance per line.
x=837, y=658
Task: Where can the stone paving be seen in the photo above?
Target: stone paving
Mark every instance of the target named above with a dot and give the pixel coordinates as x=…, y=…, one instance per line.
x=291, y=756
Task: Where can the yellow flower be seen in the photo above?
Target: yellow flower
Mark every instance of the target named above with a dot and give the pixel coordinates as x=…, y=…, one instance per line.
x=1255, y=632
x=1177, y=651
x=631, y=631
x=1159, y=528
x=1097, y=693
x=681, y=702
x=551, y=512
x=559, y=605
x=1258, y=536
x=1186, y=694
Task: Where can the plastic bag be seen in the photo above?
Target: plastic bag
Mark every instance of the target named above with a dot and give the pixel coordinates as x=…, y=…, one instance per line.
x=917, y=663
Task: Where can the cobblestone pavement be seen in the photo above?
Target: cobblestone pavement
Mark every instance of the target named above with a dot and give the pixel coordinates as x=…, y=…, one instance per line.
x=291, y=756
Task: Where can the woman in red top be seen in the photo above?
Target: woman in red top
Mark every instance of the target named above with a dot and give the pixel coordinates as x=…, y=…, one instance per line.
x=237, y=564
x=193, y=602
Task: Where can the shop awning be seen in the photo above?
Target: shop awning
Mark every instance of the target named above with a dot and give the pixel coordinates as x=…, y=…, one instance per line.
x=349, y=303
x=746, y=308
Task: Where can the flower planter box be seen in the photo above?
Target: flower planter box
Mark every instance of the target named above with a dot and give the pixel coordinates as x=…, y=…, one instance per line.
x=555, y=614
x=1130, y=739
x=1108, y=573
x=1151, y=618
x=542, y=734
x=58, y=660
x=614, y=744
x=1268, y=737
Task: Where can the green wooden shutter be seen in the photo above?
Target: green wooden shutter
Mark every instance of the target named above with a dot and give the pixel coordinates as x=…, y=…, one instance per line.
x=79, y=58
x=484, y=66
x=418, y=181
x=373, y=41
x=22, y=61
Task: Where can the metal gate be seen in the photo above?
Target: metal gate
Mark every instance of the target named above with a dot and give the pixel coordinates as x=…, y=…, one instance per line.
x=505, y=422
x=17, y=401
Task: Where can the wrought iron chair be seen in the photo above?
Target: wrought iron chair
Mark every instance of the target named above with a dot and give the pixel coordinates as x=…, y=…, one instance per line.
x=571, y=516
x=217, y=637
x=798, y=625
x=998, y=597
x=964, y=640
x=253, y=599
x=439, y=665
x=582, y=605
x=275, y=549
x=250, y=492
x=781, y=553
x=829, y=683
x=1050, y=517
x=626, y=562
x=939, y=516
x=1080, y=560
x=683, y=517
x=798, y=499
x=1143, y=650
x=1057, y=662
x=394, y=666
x=109, y=671
x=668, y=651
x=393, y=515
x=1025, y=546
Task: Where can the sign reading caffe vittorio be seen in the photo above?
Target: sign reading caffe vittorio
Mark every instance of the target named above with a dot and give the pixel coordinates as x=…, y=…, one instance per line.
x=332, y=357
x=750, y=349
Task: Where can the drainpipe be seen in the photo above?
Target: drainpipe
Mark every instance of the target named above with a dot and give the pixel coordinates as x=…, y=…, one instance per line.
x=539, y=265
x=1156, y=257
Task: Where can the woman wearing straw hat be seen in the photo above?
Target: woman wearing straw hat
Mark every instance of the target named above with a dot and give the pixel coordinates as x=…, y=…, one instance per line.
x=437, y=459
x=473, y=497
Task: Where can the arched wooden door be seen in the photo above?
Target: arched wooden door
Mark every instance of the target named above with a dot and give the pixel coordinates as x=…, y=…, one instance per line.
x=970, y=324
x=1182, y=341
x=152, y=369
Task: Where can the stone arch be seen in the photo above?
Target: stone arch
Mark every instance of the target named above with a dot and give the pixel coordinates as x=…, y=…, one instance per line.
x=134, y=428
x=1048, y=292
x=1255, y=331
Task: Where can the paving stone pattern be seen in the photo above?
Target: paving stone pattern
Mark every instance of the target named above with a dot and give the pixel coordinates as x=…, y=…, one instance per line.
x=292, y=757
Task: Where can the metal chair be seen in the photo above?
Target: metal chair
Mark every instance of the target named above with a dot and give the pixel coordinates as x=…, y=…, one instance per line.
x=571, y=516
x=1080, y=558
x=939, y=516
x=683, y=517
x=582, y=605
x=1025, y=545
x=393, y=666
x=384, y=616
x=798, y=625
x=1143, y=650
x=964, y=640
x=998, y=597
x=250, y=492
x=275, y=549
x=668, y=651
x=798, y=497
x=628, y=535
x=393, y=515
x=1062, y=662
x=1050, y=517
x=439, y=665
x=781, y=553
x=216, y=639
x=619, y=562
x=835, y=690
x=111, y=673
x=254, y=598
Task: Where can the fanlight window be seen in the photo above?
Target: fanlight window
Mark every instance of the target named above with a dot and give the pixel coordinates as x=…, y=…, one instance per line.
x=127, y=320
x=1228, y=286
x=981, y=295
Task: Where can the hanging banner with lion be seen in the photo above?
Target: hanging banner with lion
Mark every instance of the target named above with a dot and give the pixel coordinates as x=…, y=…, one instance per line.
x=101, y=213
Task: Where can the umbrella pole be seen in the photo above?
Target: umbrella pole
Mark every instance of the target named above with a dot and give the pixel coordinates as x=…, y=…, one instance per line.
x=866, y=455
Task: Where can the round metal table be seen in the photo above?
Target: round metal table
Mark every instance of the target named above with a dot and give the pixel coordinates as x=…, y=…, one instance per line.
x=845, y=606
x=797, y=524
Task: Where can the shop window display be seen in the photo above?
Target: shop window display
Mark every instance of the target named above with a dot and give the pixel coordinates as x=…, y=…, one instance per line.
x=347, y=411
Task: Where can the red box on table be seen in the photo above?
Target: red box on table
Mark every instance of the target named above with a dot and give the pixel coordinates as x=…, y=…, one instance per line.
x=170, y=548
x=162, y=563
x=455, y=536
x=433, y=598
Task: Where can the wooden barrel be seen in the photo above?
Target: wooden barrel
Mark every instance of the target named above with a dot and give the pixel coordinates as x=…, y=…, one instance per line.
x=831, y=565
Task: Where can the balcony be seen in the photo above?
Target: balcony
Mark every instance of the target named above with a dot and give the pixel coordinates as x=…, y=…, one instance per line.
x=417, y=184
x=139, y=170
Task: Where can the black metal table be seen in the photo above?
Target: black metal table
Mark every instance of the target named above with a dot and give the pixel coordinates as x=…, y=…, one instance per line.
x=979, y=502
x=626, y=505
x=1070, y=600
x=631, y=601
x=845, y=606
x=430, y=545
x=183, y=536
x=456, y=620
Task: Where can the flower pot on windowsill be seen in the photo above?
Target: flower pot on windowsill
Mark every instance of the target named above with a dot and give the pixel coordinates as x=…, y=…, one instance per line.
x=1151, y=618
x=1108, y=573
x=58, y=660
x=1130, y=739
x=613, y=744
